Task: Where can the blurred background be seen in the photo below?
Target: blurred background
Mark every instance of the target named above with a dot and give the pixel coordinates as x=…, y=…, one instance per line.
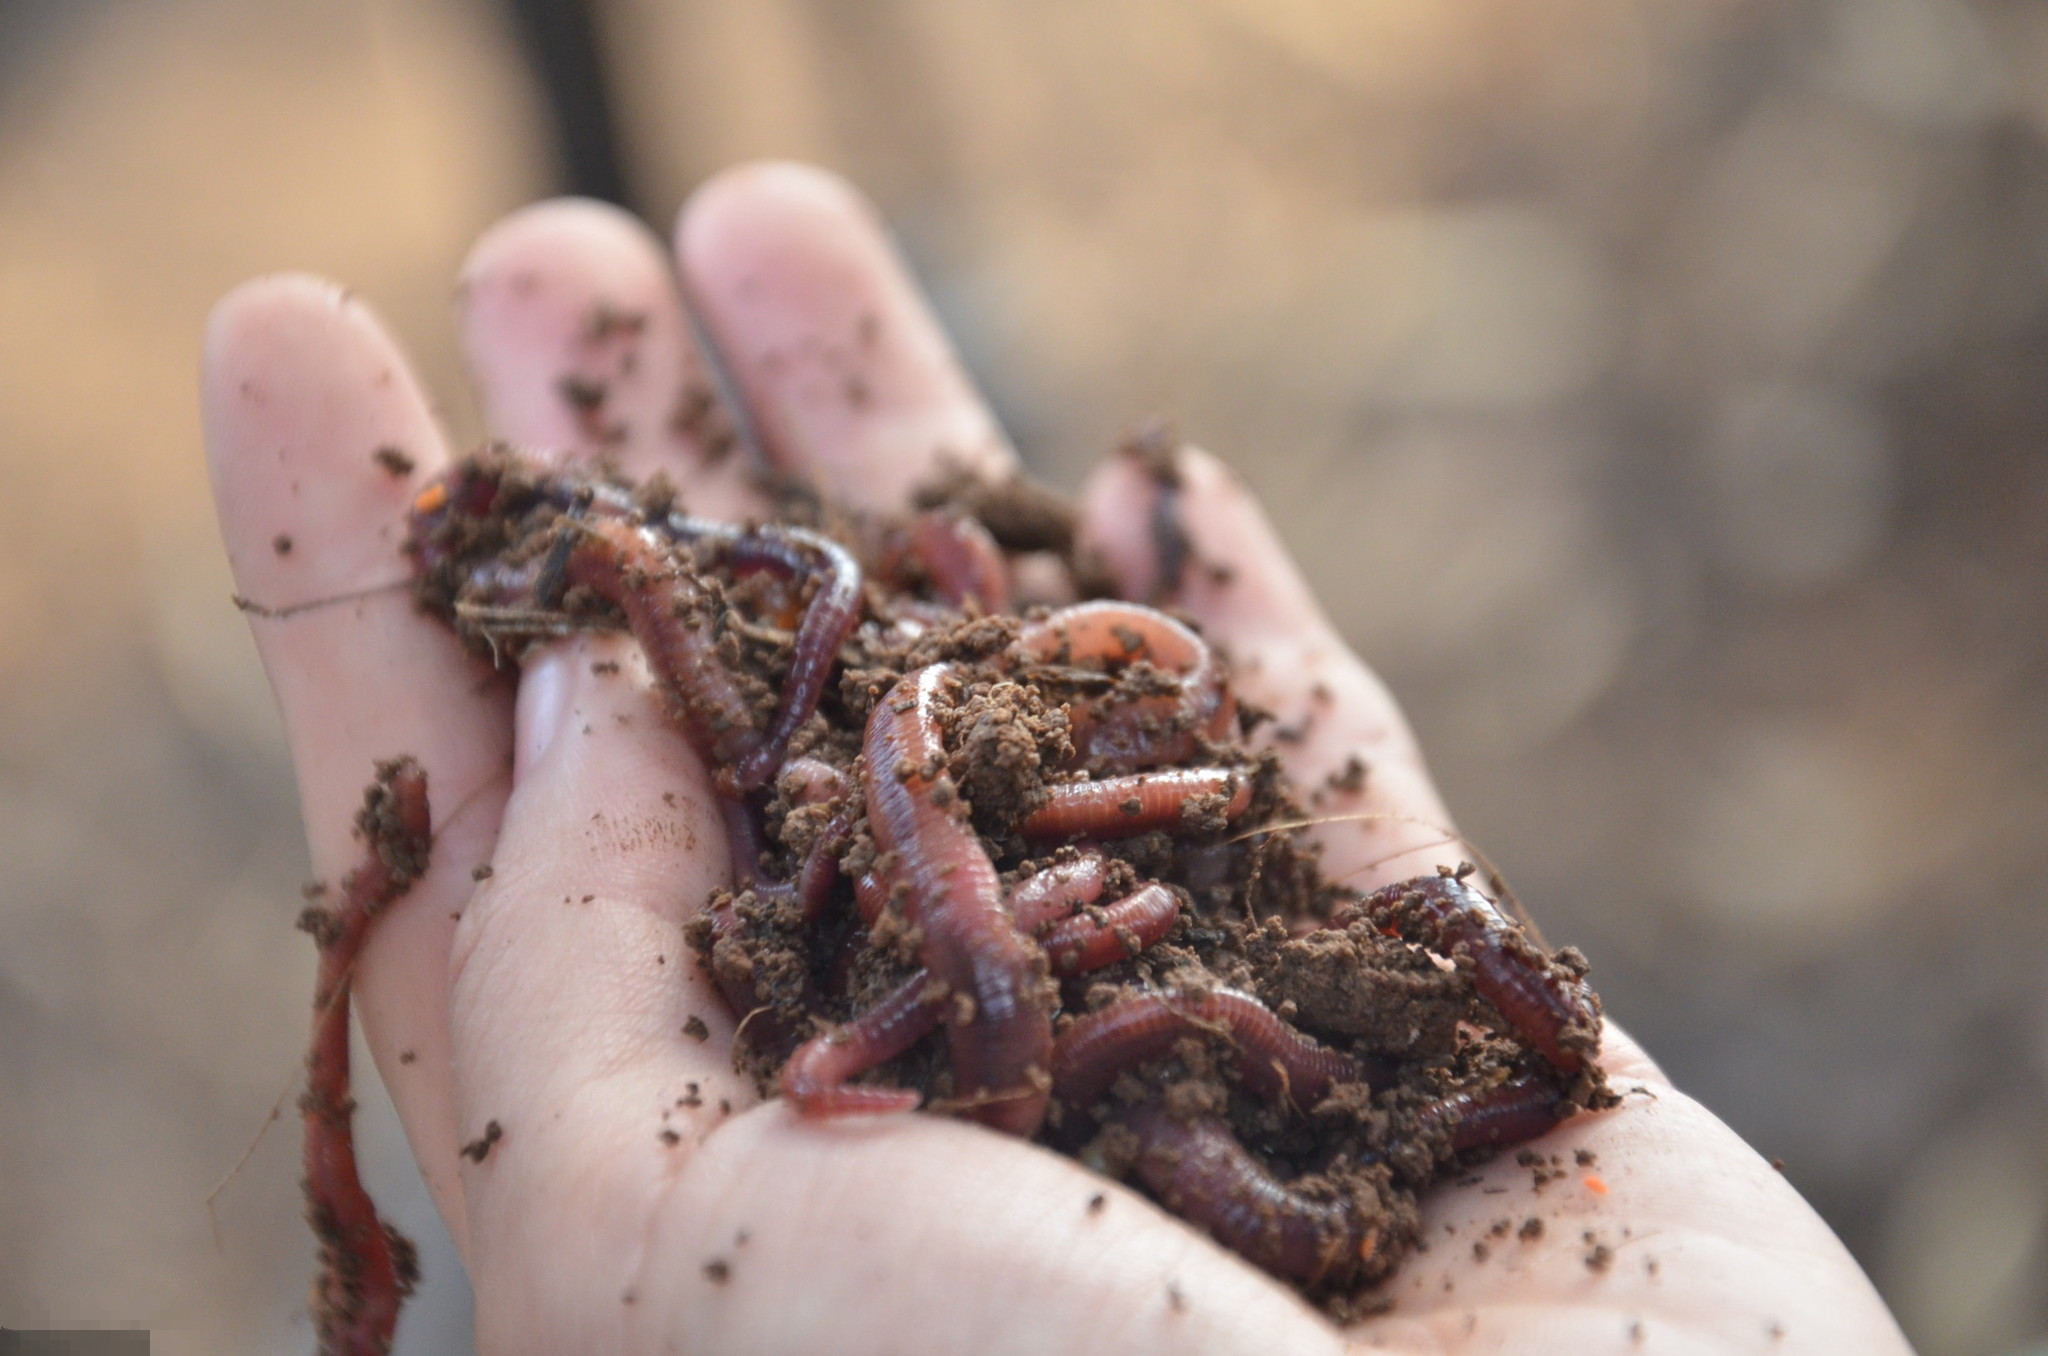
x=1657, y=394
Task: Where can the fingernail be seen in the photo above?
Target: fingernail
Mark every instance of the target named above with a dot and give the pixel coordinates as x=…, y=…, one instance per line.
x=548, y=689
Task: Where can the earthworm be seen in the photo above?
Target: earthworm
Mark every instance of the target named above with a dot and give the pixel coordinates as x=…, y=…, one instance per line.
x=472, y=490
x=667, y=610
x=960, y=558
x=1139, y=802
x=1548, y=1006
x=1090, y=941
x=1043, y=897
x=1126, y=733
x=1506, y=1113
x=367, y=1268
x=1200, y=1172
x=812, y=781
x=1274, y=1060
x=795, y=553
x=815, y=1078
x=1002, y=1047
x=1052, y=894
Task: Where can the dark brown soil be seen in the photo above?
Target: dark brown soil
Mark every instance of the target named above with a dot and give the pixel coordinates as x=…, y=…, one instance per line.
x=1255, y=904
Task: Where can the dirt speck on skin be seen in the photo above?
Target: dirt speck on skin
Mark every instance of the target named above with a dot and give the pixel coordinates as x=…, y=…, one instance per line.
x=718, y=1271
x=394, y=460
x=281, y=544
x=478, y=1149
x=695, y=1028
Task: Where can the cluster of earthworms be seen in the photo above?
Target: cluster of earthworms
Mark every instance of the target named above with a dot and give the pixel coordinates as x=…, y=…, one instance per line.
x=1009, y=867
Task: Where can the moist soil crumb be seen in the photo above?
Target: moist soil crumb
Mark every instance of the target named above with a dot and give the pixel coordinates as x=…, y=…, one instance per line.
x=478, y=1149
x=1435, y=1077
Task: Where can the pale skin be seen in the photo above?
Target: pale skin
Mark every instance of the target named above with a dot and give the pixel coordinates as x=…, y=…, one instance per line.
x=551, y=996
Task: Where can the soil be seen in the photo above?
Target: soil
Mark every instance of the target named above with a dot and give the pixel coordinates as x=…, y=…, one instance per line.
x=1256, y=908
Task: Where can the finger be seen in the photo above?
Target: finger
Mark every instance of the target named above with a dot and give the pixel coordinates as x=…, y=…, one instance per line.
x=845, y=372
x=1385, y=823
x=576, y=341
x=794, y=1236
x=1654, y=1225
x=574, y=988
x=317, y=435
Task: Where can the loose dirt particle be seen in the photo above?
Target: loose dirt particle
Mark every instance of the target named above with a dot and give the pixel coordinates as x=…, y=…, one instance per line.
x=670, y=1137
x=695, y=1028
x=394, y=460
x=407, y=1056
x=479, y=1148
x=718, y=1271
x=483, y=872
x=1531, y=1230
x=281, y=544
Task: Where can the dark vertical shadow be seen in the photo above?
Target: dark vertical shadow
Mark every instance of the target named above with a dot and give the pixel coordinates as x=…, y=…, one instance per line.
x=560, y=41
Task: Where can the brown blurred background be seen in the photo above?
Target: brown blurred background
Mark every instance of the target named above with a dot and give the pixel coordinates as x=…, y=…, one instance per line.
x=1658, y=395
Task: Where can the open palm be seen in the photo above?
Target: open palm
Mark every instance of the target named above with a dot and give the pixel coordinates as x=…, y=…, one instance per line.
x=640, y=1196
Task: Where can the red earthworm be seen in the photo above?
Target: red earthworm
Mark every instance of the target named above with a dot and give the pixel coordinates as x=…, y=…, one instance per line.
x=1125, y=733
x=666, y=609
x=473, y=489
x=795, y=553
x=871, y=894
x=1040, y=898
x=815, y=1078
x=812, y=781
x=1200, y=1172
x=1052, y=894
x=1122, y=807
x=1506, y=1113
x=1274, y=1060
x=1003, y=1046
x=959, y=557
x=913, y=1009
x=1548, y=1005
x=367, y=1268
x=1090, y=941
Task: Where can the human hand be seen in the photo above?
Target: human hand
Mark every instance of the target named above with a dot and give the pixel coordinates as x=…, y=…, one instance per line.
x=551, y=996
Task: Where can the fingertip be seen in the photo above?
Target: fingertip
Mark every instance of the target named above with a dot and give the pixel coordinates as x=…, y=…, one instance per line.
x=315, y=432
x=767, y=205
x=573, y=329
x=846, y=373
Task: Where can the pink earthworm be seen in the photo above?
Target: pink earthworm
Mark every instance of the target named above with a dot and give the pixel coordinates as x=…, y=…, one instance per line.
x=1274, y=1060
x=1090, y=941
x=1049, y=895
x=1506, y=1113
x=1126, y=733
x=367, y=1268
x=815, y=1078
x=1200, y=1172
x=959, y=557
x=1549, y=1006
x=1139, y=802
x=1002, y=1043
x=746, y=757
